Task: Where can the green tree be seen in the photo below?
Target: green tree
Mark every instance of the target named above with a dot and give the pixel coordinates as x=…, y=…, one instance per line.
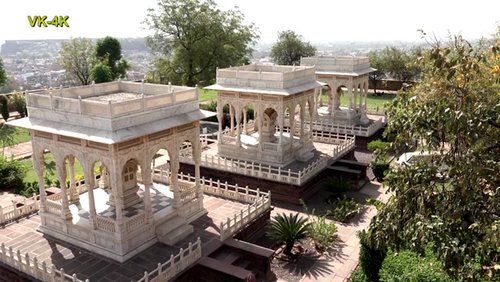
x=290, y=48
x=76, y=56
x=3, y=75
x=399, y=64
x=4, y=107
x=108, y=51
x=19, y=103
x=194, y=37
x=101, y=73
x=451, y=200
x=378, y=63
x=288, y=229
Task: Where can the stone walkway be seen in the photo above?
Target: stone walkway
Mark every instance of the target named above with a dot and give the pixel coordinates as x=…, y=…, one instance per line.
x=338, y=264
x=19, y=151
x=23, y=236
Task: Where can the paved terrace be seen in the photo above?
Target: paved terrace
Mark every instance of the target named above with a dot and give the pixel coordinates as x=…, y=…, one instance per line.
x=23, y=236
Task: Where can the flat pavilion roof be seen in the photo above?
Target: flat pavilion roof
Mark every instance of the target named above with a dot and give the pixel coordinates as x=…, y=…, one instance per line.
x=342, y=73
x=270, y=91
x=110, y=137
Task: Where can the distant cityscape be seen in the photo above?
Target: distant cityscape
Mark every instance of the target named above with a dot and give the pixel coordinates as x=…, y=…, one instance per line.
x=32, y=64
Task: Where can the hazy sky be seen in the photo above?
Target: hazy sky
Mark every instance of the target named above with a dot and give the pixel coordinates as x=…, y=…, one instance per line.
x=316, y=20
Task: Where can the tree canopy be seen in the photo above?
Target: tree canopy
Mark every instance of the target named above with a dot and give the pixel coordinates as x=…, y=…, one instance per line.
x=396, y=63
x=3, y=75
x=194, y=37
x=449, y=202
x=290, y=48
x=76, y=56
x=108, y=51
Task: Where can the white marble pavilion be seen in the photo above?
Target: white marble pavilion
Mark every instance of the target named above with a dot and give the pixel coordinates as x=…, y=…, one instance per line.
x=117, y=128
x=350, y=73
x=276, y=94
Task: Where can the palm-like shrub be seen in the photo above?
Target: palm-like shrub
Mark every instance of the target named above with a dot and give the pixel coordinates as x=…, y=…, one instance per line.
x=288, y=229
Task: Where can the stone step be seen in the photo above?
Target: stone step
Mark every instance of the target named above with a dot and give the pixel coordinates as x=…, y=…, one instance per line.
x=230, y=270
x=176, y=235
x=243, y=263
x=345, y=169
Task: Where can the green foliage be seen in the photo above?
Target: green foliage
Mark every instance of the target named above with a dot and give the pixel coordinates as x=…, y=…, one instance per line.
x=358, y=276
x=7, y=136
x=374, y=202
x=408, y=266
x=378, y=63
x=4, y=107
x=370, y=258
x=194, y=37
x=3, y=75
x=380, y=170
x=290, y=48
x=378, y=145
x=336, y=185
x=108, y=52
x=454, y=111
x=75, y=56
x=28, y=189
x=11, y=175
x=101, y=73
x=320, y=231
x=19, y=103
x=288, y=229
x=343, y=209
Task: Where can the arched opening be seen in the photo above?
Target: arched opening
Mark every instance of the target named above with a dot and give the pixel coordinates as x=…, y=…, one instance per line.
x=268, y=125
x=160, y=188
x=130, y=185
x=338, y=97
x=297, y=121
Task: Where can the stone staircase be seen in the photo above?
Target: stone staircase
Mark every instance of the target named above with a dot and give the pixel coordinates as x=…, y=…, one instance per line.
x=173, y=230
x=351, y=170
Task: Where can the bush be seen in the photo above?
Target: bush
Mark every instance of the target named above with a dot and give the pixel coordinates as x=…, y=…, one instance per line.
x=288, y=229
x=380, y=170
x=336, y=186
x=4, y=107
x=19, y=104
x=322, y=233
x=29, y=189
x=343, y=209
x=11, y=175
x=358, y=276
x=408, y=266
x=370, y=259
x=378, y=145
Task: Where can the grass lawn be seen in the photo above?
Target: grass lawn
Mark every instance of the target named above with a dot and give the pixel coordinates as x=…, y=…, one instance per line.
x=207, y=95
x=22, y=135
x=373, y=102
x=50, y=169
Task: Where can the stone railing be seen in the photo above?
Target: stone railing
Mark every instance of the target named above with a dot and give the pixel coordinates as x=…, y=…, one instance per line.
x=258, y=201
x=176, y=264
x=32, y=204
x=135, y=222
x=53, y=207
x=13, y=212
x=239, y=220
x=357, y=130
x=344, y=143
x=32, y=267
x=105, y=224
x=55, y=101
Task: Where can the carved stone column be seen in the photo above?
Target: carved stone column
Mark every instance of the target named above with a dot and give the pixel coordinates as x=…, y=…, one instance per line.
x=39, y=166
x=302, y=116
x=146, y=173
x=245, y=120
x=220, y=117
x=61, y=173
x=174, y=182
x=90, y=182
x=231, y=116
x=74, y=196
x=238, y=128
